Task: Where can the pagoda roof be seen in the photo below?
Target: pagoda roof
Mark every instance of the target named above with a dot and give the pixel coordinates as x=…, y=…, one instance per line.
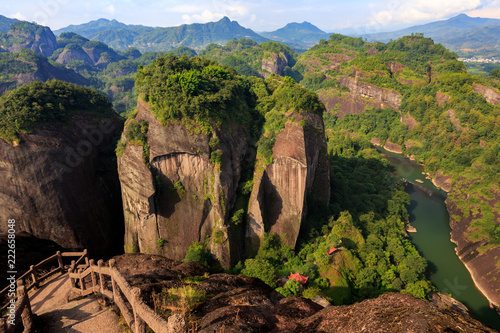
x=302, y=279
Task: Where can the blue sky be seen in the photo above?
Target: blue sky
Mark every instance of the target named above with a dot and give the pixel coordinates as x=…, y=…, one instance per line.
x=361, y=16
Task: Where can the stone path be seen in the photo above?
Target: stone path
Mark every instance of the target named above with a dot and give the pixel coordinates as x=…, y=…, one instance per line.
x=61, y=311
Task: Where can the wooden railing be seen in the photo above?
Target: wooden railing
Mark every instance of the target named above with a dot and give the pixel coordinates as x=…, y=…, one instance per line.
x=17, y=312
x=21, y=309
x=87, y=278
x=128, y=299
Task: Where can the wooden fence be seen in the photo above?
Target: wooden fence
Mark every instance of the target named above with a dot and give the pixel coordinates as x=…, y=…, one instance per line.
x=21, y=309
x=90, y=278
x=128, y=299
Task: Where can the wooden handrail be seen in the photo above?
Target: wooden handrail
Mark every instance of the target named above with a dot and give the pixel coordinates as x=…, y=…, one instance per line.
x=140, y=315
x=137, y=317
x=34, y=268
x=21, y=311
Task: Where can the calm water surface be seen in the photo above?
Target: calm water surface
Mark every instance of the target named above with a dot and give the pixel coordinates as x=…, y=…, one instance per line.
x=429, y=215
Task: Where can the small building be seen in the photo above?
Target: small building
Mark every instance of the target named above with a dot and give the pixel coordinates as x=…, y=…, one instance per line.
x=331, y=251
x=298, y=277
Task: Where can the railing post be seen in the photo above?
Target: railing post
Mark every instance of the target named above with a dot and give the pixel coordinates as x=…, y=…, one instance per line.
x=101, y=281
x=92, y=274
x=82, y=280
x=33, y=275
x=71, y=279
x=26, y=315
x=113, y=283
x=86, y=254
x=60, y=261
x=140, y=325
x=3, y=325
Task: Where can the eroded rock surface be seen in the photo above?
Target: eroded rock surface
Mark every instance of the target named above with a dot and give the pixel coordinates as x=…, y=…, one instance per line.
x=274, y=65
x=60, y=183
x=299, y=172
x=237, y=303
x=490, y=94
x=183, y=197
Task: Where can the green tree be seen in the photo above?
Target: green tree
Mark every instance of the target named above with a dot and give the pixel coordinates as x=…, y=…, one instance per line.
x=198, y=252
x=261, y=269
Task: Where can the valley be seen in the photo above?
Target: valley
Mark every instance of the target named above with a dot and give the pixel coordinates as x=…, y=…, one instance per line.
x=258, y=157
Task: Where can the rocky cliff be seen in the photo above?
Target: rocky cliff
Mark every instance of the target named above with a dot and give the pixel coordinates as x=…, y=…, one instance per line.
x=74, y=53
x=298, y=174
x=182, y=197
x=25, y=35
x=360, y=96
x=59, y=182
x=481, y=261
x=381, y=97
x=35, y=68
x=230, y=303
x=274, y=64
x=57, y=185
x=180, y=181
x=492, y=95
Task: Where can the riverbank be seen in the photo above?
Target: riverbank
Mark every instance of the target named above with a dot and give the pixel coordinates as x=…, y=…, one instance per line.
x=439, y=179
x=480, y=268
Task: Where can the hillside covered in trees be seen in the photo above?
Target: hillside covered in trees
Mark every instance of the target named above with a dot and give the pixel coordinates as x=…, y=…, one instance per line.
x=410, y=95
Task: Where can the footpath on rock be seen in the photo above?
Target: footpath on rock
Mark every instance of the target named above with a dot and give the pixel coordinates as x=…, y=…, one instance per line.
x=59, y=309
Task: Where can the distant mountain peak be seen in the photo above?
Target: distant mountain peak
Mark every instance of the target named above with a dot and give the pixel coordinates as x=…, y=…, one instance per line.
x=302, y=26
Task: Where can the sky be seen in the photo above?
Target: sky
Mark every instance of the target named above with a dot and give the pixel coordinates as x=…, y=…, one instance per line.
x=354, y=16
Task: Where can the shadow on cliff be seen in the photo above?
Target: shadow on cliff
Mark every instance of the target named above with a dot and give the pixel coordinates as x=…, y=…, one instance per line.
x=166, y=196
x=273, y=204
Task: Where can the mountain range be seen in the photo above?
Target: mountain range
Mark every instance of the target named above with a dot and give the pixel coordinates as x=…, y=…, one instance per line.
x=463, y=34
x=121, y=36
x=300, y=36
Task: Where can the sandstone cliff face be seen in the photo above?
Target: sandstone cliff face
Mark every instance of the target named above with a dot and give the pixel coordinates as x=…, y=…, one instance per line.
x=382, y=98
x=490, y=94
x=79, y=54
x=299, y=173
x=183, y=198
x=483, y=266
x=101, y=55
x=44, y=43
x=44, y=71
x=60, y=184
x=275, y=65
x=361, y=96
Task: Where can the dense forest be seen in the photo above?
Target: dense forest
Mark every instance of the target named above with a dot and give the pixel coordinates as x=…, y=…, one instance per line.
x=454, y=131
x=373, y=257
x=37, y=104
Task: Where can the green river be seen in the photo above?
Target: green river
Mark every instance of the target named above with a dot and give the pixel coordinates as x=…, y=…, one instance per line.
x=429, y=216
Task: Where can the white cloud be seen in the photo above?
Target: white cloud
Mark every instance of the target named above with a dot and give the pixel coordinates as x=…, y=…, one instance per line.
x=416, y=11
x=19, y=16
x=205, y=16
x=491, y=9
x=212, y=11
x=184, y=9
x=111, y=9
